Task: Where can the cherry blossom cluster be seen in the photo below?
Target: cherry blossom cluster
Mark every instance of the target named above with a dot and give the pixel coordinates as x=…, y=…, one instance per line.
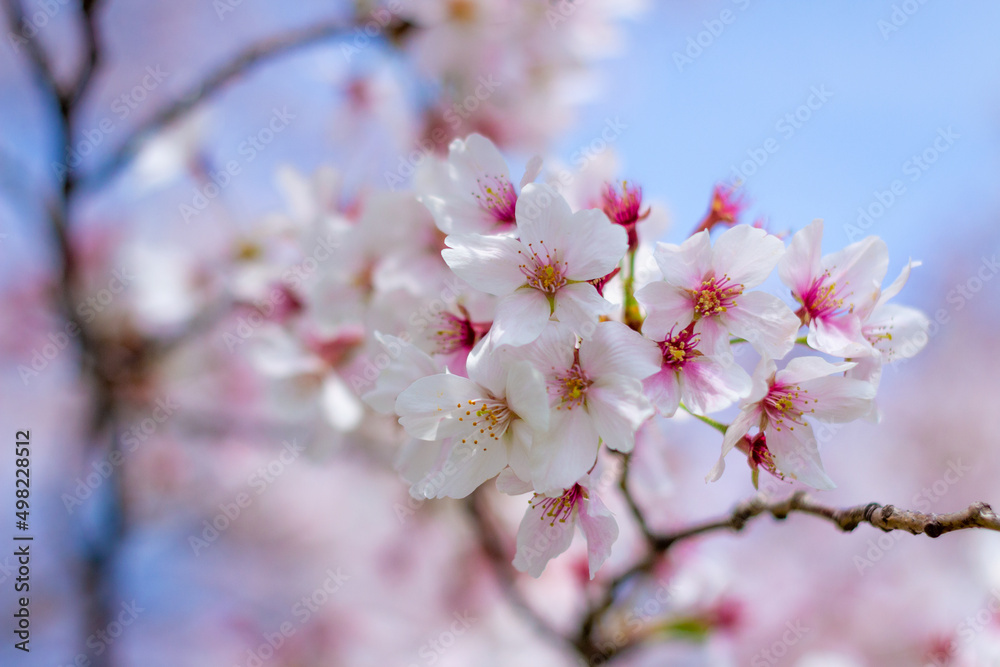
x=532, y=344
x=508, y=63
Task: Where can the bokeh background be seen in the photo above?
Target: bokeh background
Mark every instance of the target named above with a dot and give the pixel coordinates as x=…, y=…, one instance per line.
x=332, y=545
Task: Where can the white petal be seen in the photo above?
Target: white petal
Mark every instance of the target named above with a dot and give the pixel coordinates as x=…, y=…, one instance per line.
x=897, y=332
x=579, y=306
x=479, y=155
x=869, y=370
x=615, y=348
x=489, y=263
x=839, y=399
x=408, y=363
x=485, y=365
x=858, y=270
x=841, y=336
x=765, y=321
x=762, y=375
x=540, y=538
x=429, y=408
x=804, y=369
x=714, y=336
x=746, y=254
x=668, y=307
x=664, y=390
x=796, y=454
x=565, y=452
x=710, y=384
x=468, y=466
x=508, y=482
x=685, y=265
x=531, y=170
x=595, y=246
x=437, y=191
x=898, y=284
x=417, y=458
x=618, y=408
x=520, y=317
x=519, y=451
x=552, y=351
x=801, y=263
x=747, y=419
x=544, y=219
x=527, y=396
x=341, y=406
x=600, y=529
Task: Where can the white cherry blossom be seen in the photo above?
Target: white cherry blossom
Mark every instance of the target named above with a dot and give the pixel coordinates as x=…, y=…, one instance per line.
x=838, y=291
x=595, y=393
x=704, y=383
x=541, y=274
x=708, y=285
x=781, y=401
x=471, y=191
x=550, y=521
x=485, y=421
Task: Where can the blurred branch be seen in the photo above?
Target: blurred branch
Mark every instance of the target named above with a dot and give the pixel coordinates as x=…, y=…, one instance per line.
x=37, y=57
x=101, y=551
x=93, y=57
x=222, y=76
x=490, y=541
x=633, y=506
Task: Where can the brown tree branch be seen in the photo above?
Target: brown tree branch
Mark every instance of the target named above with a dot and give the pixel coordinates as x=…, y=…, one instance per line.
x=885, y=517
x=218, y=79
x=633, y=506
x=100, y=552
x=93, y=55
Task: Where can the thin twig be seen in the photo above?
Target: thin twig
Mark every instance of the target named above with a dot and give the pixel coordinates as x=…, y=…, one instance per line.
x=633, y=506
x=888, y=518
x=885, y=517
x=218, y=79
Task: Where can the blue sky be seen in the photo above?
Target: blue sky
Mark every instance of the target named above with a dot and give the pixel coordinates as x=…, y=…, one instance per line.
x=887, y=95
x=890, y=93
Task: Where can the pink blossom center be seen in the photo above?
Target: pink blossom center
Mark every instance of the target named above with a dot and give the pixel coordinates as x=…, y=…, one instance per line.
x=727, y=204
x=758, y=455
x=496, y=195
x=680, y=349
x=455, y=333
x=715, y=296
x=785, y=405
x=559, y=509
x=544, y=271
x=622, y=208
x=571, y=387
x=824, y=299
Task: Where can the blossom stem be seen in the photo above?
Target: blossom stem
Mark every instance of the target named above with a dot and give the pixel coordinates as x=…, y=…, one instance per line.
x=261, y=52
x=633, y=316
x=719, y=426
